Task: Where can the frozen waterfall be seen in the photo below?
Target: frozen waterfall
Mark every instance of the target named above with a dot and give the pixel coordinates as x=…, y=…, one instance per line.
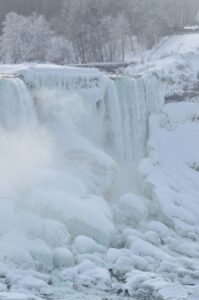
x=90, y=108
x=73, y=128
x=79, y=195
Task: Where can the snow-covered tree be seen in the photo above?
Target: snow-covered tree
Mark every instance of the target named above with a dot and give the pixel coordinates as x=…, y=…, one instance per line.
x=120, y=32
x=60, y=51
x=24, y=38
x=11, y=39
x=40, y=33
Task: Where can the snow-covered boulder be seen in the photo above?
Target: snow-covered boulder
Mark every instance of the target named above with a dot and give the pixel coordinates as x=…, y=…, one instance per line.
x=83, y=245
x=91, y=275
x=96, y=258
x=122, y=266
x=153, y=238
x=42, y=255
x=16, y=256
x=159, y=228
x=62, y=257
x=29, y=284
x=89, y=216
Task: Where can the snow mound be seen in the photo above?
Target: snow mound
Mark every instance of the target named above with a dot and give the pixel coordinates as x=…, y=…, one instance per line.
x=83, y=244
x=62, y=258
x=173, y=149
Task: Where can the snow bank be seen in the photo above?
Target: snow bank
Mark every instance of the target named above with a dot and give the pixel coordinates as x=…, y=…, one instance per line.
x=173, y=149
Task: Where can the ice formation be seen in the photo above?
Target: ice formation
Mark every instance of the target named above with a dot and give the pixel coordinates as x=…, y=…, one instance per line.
x=98, y=186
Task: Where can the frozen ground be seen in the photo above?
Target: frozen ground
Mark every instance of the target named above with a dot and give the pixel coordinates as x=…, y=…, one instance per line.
x=99, y=180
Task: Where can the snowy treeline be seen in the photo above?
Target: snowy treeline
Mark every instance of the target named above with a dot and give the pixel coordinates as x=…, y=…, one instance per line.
x=82, y=31
x=32, y=39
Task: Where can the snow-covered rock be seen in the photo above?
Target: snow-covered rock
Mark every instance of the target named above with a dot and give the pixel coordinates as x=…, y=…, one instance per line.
x=62, y=257
x=83, y=244
x=42, y=255
x=80, y=216
x=17, y=256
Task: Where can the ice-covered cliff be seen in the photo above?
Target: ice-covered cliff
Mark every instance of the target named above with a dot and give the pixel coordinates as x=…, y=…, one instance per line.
x=96, y=181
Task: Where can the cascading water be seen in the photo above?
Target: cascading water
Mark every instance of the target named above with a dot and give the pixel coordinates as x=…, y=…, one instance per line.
x=22, y=142
x=17, y=107
x=128, y=104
